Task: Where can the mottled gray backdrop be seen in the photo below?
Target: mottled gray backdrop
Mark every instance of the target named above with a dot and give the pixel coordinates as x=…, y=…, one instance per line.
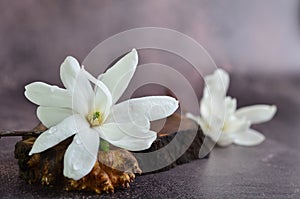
x=241, y=35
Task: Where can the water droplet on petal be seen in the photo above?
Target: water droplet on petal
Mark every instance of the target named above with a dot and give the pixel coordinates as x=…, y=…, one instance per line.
x=78, y=141
x=53, y=88
x=75, y=167
x=52, y=130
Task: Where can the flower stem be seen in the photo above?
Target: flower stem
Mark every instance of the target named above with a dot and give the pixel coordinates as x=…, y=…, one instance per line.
x=104, y=145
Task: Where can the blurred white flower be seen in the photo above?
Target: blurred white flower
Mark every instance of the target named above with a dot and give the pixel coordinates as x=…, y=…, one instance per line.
x=219, y=118
x=92, y=114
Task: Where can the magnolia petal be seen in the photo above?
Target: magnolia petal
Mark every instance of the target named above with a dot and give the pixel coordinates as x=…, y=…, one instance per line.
x=135, y=144
x=153, y=108
x=116, y=131
x=206, y=108
x=81, y=155
x=257, y=113
x=68, y=127
x=103, y=100
x=51, y=116
x=233, y=124
x=123, y=137
x=224, y=141
x=216, y=84
x=46, y=95
x=69, y=70
x=82, y=94
x=220, y=138
x=249, y=138
x=203, y=125
x=213, y=115
x=213, y=109
x=119, y=75
x=230, y=104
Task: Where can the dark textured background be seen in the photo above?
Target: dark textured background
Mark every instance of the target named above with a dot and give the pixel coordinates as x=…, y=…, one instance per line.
x=257, y=41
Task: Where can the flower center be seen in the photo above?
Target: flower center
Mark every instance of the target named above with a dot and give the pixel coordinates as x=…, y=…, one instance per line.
x=95, y=118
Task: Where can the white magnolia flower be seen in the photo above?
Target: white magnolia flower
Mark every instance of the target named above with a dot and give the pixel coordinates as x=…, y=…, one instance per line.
x=92, y=114
x=222, y=122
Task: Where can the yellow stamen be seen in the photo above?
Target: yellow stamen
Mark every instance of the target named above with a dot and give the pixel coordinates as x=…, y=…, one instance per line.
x=95, y=118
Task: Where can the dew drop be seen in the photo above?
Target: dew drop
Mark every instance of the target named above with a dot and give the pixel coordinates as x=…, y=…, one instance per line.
x=78, y=141
x=52, y=130
x=53, y=88
x=75, y=167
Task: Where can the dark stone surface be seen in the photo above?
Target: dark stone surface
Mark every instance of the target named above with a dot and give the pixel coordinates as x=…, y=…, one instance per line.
x=270, y=170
